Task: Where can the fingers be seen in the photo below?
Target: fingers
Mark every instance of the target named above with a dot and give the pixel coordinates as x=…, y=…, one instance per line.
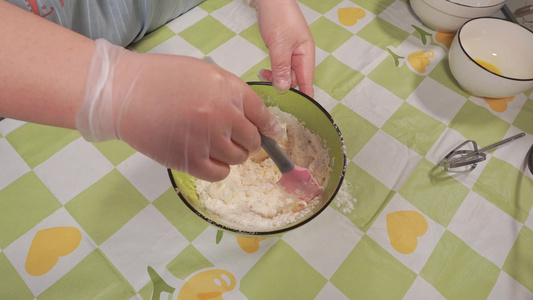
x=294, y=81
x=210, y=170
x=304, y=69
x=265, y=75
x=207, y=158
x=229, y=153
x=281, y=68
x=259, y=115
x=290, y=44
x=301, y=78
x=245, y=135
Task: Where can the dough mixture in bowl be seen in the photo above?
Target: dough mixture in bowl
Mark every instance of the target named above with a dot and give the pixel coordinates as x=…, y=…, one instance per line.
x=250, y=198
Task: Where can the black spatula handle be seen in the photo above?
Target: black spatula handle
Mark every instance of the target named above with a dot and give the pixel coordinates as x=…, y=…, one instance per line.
x=275, y=152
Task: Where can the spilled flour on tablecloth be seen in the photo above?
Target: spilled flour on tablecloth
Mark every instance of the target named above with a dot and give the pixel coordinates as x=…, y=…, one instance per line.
x=343, y=200
x=250, y=199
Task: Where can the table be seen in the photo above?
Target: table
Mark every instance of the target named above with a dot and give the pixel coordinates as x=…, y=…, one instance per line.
x=84, y=221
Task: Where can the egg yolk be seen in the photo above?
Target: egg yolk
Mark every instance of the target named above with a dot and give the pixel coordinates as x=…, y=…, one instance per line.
x=488, y=66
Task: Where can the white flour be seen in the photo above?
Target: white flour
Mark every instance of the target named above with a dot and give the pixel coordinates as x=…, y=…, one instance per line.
x=343, y=200
x=250, y=199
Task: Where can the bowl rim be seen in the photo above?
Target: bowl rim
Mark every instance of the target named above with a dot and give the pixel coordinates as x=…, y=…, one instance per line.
x=472, y=6
x=479, y=65
x=291, y=227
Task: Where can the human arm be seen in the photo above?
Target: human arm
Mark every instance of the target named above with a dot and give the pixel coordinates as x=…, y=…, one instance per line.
x=44, y=68
x=182, y=112
x=290, y=43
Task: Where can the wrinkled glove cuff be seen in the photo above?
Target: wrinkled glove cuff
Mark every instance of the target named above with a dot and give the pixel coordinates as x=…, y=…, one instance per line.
x=95, y=118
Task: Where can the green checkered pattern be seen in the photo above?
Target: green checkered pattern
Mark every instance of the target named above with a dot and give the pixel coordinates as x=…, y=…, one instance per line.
x=398, y=120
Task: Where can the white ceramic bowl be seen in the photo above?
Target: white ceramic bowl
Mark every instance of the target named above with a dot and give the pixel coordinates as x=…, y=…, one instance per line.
x=507, y=48
x=449, y=16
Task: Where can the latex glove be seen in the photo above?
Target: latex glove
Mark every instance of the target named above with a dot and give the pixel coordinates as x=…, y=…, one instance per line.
x=182, y=112
x=290, y=43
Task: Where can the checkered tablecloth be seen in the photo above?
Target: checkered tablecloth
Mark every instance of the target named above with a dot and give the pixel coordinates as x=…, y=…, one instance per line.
x=101, y=221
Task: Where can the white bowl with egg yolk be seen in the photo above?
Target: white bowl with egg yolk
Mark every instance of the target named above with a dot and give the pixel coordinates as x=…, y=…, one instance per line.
x=492, y=58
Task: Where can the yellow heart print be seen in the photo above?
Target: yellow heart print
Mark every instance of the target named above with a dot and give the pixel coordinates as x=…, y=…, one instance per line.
x=499, y=104
x=445, y=38
x=48, y=246
x=249, y=244
x=349, y=16
x=404, y=228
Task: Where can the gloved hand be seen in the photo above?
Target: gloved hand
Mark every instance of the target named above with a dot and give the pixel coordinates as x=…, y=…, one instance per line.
x=182, y=112
x=290, y=43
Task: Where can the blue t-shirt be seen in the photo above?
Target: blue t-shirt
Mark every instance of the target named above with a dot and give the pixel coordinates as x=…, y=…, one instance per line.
x=118, y=21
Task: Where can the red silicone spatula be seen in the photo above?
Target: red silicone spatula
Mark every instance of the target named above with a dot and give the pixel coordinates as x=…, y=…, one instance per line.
x=294, y=179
